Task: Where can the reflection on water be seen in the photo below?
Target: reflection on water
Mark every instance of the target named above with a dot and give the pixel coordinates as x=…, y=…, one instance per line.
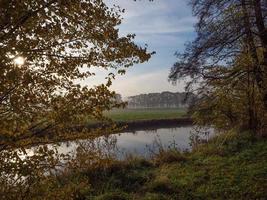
x=137, y=143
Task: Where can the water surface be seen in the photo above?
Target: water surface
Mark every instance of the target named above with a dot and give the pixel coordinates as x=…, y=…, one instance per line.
x=142, y=142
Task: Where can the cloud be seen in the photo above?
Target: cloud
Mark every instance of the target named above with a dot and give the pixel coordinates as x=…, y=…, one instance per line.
x=159, y=25
x=136, y=9
x=165, y=25
x=156, y=81
x=135, y=83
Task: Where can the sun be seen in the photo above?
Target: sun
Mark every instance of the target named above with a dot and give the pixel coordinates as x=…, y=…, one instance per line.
x=19, y=60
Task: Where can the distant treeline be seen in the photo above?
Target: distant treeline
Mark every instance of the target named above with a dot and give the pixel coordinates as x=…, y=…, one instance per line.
x=161, y=100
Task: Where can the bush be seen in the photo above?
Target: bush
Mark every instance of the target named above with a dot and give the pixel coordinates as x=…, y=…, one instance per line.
x=162, y=185
x=113, y=196
x=168, y=156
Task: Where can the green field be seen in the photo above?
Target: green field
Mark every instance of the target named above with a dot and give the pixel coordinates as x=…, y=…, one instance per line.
x=145, y=114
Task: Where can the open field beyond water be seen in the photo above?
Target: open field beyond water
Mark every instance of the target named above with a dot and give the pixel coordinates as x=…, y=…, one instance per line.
x=146, y=114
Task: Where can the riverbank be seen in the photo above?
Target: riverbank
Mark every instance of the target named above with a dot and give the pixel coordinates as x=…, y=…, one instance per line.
x=96, y=129
x=147, y=124
x=127, y=114
x=149, y=118
x=230, y=166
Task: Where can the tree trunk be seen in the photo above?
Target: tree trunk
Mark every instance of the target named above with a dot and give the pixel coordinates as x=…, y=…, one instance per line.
x=256, y=68
x=262, y=32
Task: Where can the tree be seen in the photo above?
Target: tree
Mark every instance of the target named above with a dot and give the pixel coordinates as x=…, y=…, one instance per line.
x=227, y=32
x=46, y=48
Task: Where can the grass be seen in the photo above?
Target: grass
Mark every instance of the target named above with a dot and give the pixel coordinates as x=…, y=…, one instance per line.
x=232, y=167
x=145, y=114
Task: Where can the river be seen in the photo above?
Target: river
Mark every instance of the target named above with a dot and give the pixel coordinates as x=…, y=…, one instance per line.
x=141, y=142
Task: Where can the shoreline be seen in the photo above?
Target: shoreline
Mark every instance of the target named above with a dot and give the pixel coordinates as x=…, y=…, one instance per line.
x=148, y=124
x=129, y=126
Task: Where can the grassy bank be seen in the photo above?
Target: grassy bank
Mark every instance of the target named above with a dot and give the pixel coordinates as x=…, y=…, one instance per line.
x=142, y=119
x=229, y=167
x=145, y=114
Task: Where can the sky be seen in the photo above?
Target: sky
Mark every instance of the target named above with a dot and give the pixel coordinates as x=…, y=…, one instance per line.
x=165, y=26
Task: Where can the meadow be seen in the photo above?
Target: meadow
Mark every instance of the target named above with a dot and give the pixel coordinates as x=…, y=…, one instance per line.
x=145, y=114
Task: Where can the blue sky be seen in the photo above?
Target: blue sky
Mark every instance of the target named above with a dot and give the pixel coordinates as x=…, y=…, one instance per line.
x=164, y=25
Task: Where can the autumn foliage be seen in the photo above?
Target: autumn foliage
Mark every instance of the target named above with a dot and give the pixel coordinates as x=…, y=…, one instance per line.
x=227, y=63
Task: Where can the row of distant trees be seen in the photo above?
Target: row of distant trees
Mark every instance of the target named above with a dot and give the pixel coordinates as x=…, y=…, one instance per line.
x=161, y=100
